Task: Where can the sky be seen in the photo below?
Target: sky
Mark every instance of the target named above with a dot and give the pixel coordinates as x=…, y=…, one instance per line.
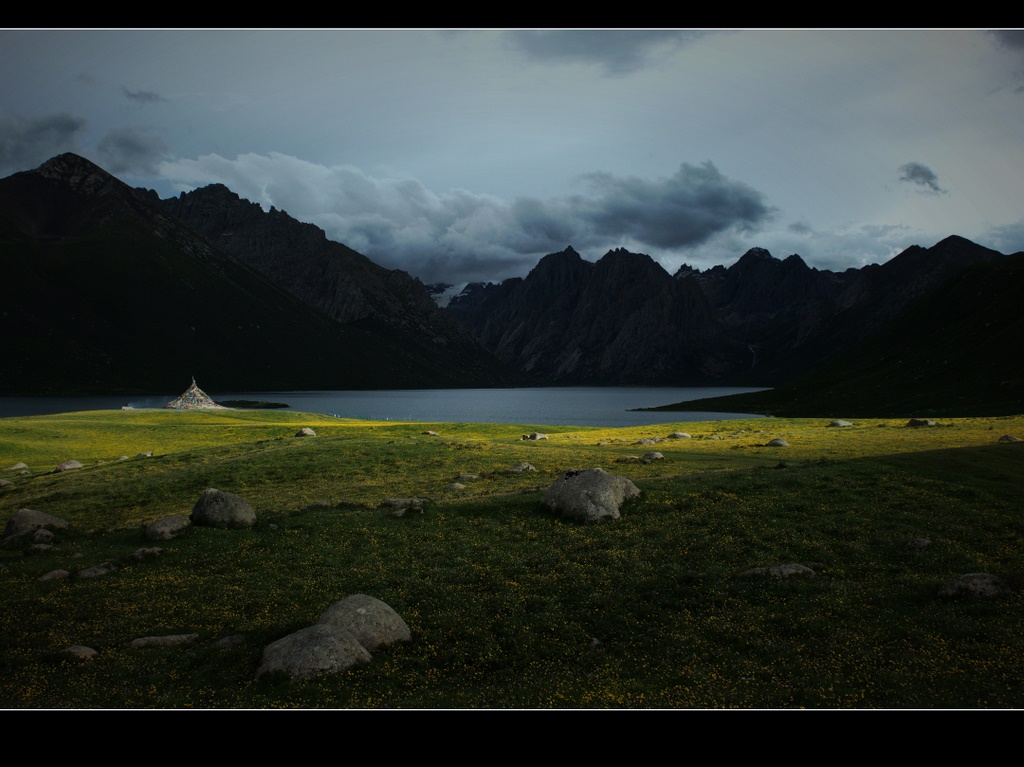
x=467, y=155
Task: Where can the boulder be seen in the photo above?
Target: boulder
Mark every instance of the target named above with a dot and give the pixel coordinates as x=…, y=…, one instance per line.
x=455, y=486
x=431, y=433
x=67, y=466
x=312, y=651
x=975, y=586
x=654, y=455
x=168, y=640
x=523, y=466
x=54, y=575
x=917, y=422
x=146, y=454
x=535, y=436
x=779, y=571
x=80, y=651
x=590, y=495
x=17, y=466
x=27, y=521
x=97, y=570
x=679, y=435
x=216, y=508
x=467, y=477
x=840, y=423
x=305, y=431
x=372, y=622
x=166, y=528
x=628, y=459
x=649, y=441
x=778, y=442
x=1010, y=438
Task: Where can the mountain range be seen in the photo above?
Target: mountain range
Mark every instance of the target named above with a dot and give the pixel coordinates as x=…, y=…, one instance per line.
x=111, y=289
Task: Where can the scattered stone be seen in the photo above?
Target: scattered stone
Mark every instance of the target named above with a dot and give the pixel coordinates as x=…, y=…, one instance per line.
x=24, y=472
x=54, y=575
x=916, y=422
x=170, y=640
x=147, y=454
x=230, y=641
x=1010, y=438
x=455, y=486
x=679, y=435
x=17, y=466
x=430, y=433
x=523, y=466
x=139, y=554
x=535, y=436
x=405, y=503
x=305, y=431
x=975, y=586
x=39, y=548
x=216, y=508
x=97, y=570
x=312, y=651
x=779, y=571
x=840, y=423
x=167, y=528
x=467, y=477
x=649, y=441
x=651, y=457
x=67, y=466
x=372, y=622
x=42, y=535
x=715, y=436
x=122, y=458
x=590, y=495
x=628, y=459
x=27, y=520
x=778, y=442
x=5, y=482
x=918, y=543
x=80, y=651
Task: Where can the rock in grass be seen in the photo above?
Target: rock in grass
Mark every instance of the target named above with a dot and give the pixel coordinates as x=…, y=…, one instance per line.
x=535, y=436
x=67, y=466
x=918, y=544
x=523, y=466
x=305, y=431
x=1010, y=438
x=590, y=495
x=54, y=575
x=778, y=442
x=80, y=651
x=779, y=571
x=17, y=466
x=915, y=423
x=5, y=482
x=313, y=651
x=679, y=435
x=840, y=423
x=166, y=528
x=215, y=508
x=169, y=640
x=27, y=521
x=455, y=486
x=372, y=622
x=97, y=570
x=975, y=586
x=654, y=455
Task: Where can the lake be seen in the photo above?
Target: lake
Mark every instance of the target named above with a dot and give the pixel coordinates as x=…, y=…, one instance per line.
x=546, y=406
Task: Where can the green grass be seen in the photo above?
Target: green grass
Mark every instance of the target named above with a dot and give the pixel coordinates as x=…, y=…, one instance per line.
x=509, y=605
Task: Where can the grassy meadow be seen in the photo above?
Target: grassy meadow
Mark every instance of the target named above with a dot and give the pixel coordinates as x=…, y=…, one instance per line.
x=509, y=605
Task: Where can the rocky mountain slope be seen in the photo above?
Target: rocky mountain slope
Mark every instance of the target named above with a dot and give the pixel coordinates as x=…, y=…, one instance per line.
x=105, y=290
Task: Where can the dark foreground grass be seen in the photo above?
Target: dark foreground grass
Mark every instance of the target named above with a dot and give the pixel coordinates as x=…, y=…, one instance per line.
x=512, y=607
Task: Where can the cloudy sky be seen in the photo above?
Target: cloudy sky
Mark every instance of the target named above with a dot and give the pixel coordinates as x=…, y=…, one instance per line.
x=468, y=155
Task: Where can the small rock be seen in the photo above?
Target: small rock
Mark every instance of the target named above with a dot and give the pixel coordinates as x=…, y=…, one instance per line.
x=230, y=641
x=67, y=466
x=467, y=477
x=372, y=622
x=80, y=651
x=122, y=458
x=649, y=441
x=651, y=457
x=975, y=586
x=455, y=486
x=54, y=575
x=840, y=423
x=405, y=503
x=17, y=466
x=917, y=422
x=305, y=431
x=39, y=548
x=5, y=482
x=778, y=442
x=430, y=433
x=147, y=454
x=97, y=570
x=715, y=436
x=628, y=459
x=1010, y=438
x=535, y=436
x=679, y=435
x=918, y=543
x=523, y=466
x=167, y=528
x=42, y=535
x=139, y=554
x=779, y=571
x=170, y=640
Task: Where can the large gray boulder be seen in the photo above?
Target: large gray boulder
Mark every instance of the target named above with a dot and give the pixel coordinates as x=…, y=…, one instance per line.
x=28, y=520
x=590, y=495
x=67, y=466
x=372, y=622
x=312, y=651
x=215, y=508
x=975, y=586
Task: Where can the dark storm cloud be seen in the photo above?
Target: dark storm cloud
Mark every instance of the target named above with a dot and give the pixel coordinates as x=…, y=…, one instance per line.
x=25, y=144
x=1009, y=38
x=461, y=236
x=143, y=97
x=130, y=151
x=680, y=211
x=921, y=176
x=619, y=51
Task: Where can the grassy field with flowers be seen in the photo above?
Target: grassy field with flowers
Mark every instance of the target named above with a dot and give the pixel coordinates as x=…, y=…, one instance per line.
x=509, y=605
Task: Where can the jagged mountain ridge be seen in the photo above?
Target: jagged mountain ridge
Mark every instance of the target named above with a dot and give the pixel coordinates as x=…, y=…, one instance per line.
x=106, y=291
x=761, y=321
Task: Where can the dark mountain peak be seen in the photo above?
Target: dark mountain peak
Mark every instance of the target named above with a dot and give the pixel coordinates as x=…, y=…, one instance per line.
x=79, y=175
x=754, y=256
x=686, y=271
x=794, y=262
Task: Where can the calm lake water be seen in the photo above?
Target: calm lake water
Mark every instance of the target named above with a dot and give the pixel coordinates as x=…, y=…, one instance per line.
x=555, y=406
